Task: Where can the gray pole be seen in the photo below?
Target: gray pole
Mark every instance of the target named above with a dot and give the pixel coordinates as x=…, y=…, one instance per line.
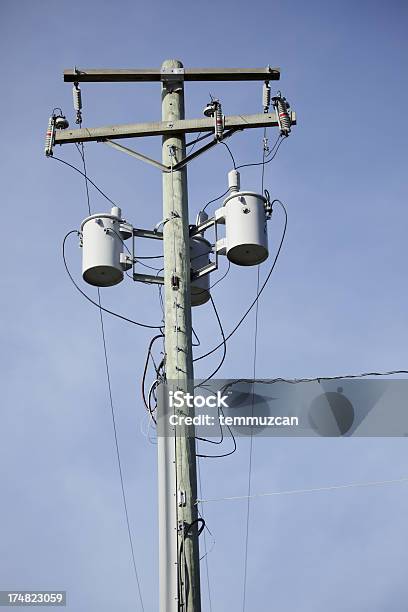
x=178, y=549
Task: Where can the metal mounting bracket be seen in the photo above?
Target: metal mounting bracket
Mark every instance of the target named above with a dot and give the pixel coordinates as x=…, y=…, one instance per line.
x=162, y=167
x=172, y=75
x=140, y=156
x=198, y=230
x=148, y=278
x=145, y=278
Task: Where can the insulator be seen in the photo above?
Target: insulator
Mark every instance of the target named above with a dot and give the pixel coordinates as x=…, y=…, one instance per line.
x=61, y=122
x=209, y=110
x=281, y=106
x=234, y=181
x=266, y=96
x=49, y=137
x=218, y=121
x=77, y=97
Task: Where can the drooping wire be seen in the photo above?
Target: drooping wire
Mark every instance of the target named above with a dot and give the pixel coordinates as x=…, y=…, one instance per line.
x=251, y=446
x=111, y=404
x=148, y=355
x=215, y=200
x=251, y=442
x=215, y=283
x=318, y=379
x=231, y=452
x=202, y=384
x=267, y=161
x=230, y=152
x=302, y=491
x=222, y=277
x=224, y=344
x=272, y=150
x=198, y=139
x=88, y=180
x=111, y=312
x=261, y=289
x=118, y=457
x=205, y=557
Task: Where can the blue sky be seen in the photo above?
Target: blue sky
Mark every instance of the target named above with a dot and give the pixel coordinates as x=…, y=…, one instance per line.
x=336, y=303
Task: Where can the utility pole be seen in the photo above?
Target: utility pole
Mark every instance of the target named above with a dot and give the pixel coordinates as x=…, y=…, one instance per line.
x=178, y=511
x=179, y=565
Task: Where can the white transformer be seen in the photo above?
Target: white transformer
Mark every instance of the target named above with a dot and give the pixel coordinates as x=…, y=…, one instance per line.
x=103, y=258
x=245, y=228
x=245, y=214
x=200, y=250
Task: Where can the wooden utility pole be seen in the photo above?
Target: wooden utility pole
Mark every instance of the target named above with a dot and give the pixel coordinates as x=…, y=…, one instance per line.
x=184, y=592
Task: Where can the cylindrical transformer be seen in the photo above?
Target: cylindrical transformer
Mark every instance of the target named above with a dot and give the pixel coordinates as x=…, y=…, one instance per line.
x=200, y=250
x=245, y=228
x=102, y=248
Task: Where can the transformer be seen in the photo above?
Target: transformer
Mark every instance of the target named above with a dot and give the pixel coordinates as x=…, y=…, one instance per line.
x=103, y=259
x=246, y=237
x=200, y=250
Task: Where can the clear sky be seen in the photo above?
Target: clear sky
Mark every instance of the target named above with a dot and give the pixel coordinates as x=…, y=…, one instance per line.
x=336, y=303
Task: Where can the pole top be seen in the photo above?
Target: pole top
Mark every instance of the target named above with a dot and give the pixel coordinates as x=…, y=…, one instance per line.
x=172, y=63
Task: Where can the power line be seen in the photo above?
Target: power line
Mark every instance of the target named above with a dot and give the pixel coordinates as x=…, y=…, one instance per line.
x=251, y=446
x=354, y=485
x=224, y=344
x=231, y=155
x=266, y=161
x=118, y=456
x=88, y=180
x=111, y=312
x=205, y=539
x=251, y=443
x=111, y=398
x=220, y=411
x=318, y=379
x=149, y=351
x=215, y=200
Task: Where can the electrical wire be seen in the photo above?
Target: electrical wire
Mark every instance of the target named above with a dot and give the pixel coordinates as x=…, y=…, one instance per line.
x=224, y=344
x=111, y=312
x=261, y=289
x=214, y=284
x=198, y=139
x=205, y=539
x=146, y=265
x=274, y=146
x=196, y=337
x=202, y=384
x=266, y=161
x=88, y=180
x=222, y=277
x=149, y=351
x=231, y=452
x=251, y=446
x=111, y=399
x=151, y=257
x=118, y=457
x=251, y=443
x=318, y=379
x=301, y=491
x=230, y=152
x=262, y=163
x=214, y=200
